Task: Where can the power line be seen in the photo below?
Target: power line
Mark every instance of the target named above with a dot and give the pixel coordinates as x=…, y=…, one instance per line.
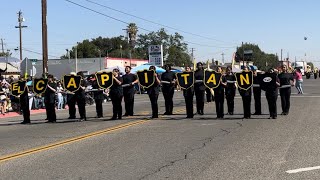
x=153, y=22
x=31, y=51
x=124, y=22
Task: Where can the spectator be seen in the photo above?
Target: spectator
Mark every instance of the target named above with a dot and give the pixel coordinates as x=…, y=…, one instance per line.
x=60, y=97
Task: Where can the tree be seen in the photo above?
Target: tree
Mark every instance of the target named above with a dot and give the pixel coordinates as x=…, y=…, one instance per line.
x=259, y=58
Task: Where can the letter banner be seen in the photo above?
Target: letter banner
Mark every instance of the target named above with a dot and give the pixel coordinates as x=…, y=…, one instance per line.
x=39, y=85
x=185, y=79
x=104, y=79
x=71, y=83
x=146, y=78
x=244, y=79
x=268, y=81
x=212, y=79
x=17, y=88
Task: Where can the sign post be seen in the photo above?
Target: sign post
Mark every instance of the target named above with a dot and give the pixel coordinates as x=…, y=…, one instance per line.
x=156, y=55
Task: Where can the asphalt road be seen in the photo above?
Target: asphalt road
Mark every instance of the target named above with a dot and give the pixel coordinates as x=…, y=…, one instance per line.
x=171, y=147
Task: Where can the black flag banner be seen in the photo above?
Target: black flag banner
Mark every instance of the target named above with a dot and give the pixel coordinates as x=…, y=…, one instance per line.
x=146, y=78
x=104, y=79
x=244, y=79
x=18, y=88
x=268, y=81
x=185, y=79
x=39, y=85
x=71, y=83
x=212, y=79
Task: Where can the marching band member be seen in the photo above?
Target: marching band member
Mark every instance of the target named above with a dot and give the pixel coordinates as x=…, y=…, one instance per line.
x=272, y=96
x=168, y=79
x=219, y=95
x=80, y=97
x=230, y=90
x=286, y=81
x=116, y=94
x=246, y=100
x=199, y=88
x=153, y=93
x=71, y=101
x=49, y=99
x=24, y=105
x=256, y=93
x=188, y=97
x=129, y=80
x=98, y=97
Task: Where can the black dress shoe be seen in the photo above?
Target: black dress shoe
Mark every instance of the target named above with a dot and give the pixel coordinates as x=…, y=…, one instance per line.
x=201, y=113
x=274, y=117
x=113, y=118
x=189, y=117
x=256, y=113
x=166, y=113
x=70, y=118
x=153, y=117
x=125, y=115
x=25, y=122
x=231, y=113
x=119, y=117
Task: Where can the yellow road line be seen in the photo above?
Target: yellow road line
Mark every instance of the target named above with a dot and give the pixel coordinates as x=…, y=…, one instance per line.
x=75, y=139
x=69, y=141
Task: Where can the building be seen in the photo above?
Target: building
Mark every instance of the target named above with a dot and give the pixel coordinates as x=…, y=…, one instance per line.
x=60, y=67
x=123, y=62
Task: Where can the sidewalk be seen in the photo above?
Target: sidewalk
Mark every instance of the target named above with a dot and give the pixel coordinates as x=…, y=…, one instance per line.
x=15, y=114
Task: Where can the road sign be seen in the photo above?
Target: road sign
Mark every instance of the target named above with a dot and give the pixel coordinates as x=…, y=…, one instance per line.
x=156, y=55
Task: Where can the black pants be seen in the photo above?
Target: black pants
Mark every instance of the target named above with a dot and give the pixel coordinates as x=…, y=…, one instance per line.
x=168, y=96
x=116, y=106
x=230, y=102
x=272, y=103
x=209, y=95
x=25, y=111
x=257, y=100
x=200, y=100
x=72, y=107
x=99, y=109
x=189, y=105
x=219, y=101
x=285, y=94
x=154, y=104
x=129, y=102
x=82, y=107
x=51, y=112
x=246, y=100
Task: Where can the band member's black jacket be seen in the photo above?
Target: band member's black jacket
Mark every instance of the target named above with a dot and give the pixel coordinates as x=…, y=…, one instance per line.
x=116, y=94
x=153, y=93
x=49, y=100
x=24, y=104
x=285, y=93
x=80, y=98
x=230, y=91
x=98, y=98
x=257, y=95
x=219, y=98
x=199, y=90
x=168, y=90
x=128, y=93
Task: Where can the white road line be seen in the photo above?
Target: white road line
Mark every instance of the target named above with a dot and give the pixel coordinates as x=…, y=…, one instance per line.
x=302, y=169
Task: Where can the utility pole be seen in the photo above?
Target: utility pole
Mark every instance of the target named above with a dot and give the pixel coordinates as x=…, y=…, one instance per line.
x=222, y=57
x=44, y=37
x=242, y=54
x=281, y=55
x=2, y=46
x=20, y=20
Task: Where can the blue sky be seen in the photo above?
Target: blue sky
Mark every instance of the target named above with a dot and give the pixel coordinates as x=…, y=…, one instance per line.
x=272, y=24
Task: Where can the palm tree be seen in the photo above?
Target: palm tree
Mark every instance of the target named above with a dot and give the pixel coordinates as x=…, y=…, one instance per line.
x=132, y=30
